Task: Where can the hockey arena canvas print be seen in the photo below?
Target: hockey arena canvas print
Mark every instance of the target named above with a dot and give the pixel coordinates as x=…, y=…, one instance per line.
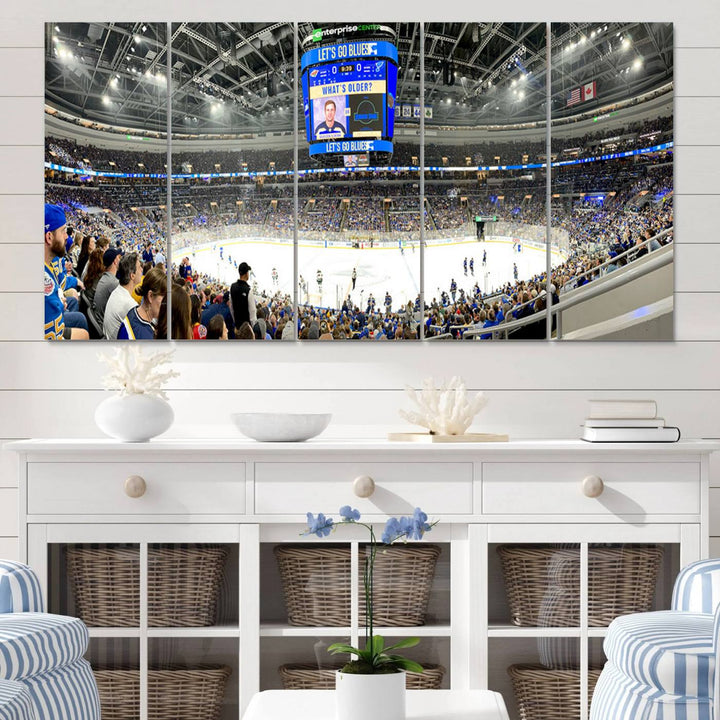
x=476, y=181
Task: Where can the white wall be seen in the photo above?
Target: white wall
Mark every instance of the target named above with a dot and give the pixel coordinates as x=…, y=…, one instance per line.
x=536, y=390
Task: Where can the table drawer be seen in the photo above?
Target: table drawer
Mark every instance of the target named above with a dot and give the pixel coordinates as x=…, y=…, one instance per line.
x=640, y=488
x=171, y=488
x=291, y=488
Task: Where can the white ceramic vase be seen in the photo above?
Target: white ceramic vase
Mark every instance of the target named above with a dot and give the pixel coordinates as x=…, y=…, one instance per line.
x=134, y=418
x=360, y=697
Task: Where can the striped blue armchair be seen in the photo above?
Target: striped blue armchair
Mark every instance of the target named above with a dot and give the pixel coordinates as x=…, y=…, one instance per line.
x=43, y=675
x=661, y=665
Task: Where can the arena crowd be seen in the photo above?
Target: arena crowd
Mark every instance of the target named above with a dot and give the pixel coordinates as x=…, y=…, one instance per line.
x=115, y=252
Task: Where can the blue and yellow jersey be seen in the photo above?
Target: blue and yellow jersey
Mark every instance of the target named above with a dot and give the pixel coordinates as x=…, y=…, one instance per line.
x=54, y=307
x=133, y=327
x=65, y=281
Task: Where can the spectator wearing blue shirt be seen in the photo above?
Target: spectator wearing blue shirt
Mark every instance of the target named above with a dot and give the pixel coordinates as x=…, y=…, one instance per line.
x=55, y=238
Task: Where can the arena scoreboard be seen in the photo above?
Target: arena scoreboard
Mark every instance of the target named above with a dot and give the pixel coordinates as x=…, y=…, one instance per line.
x=349, y=91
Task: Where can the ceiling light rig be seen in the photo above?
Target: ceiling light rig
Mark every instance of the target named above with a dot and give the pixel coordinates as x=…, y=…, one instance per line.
x=506, y=68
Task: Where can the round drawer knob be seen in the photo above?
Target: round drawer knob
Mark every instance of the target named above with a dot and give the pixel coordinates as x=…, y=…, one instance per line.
x=363, y=486
x=593, y=486
x=135, y=486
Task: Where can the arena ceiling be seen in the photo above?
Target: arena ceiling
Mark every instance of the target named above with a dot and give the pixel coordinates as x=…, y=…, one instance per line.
x=235, y=78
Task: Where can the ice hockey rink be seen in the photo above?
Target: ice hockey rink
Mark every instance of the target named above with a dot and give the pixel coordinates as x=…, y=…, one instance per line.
x=380, y=269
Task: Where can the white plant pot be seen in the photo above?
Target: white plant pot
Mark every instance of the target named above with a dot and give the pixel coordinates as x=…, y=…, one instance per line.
x=134, y=418
x=369, y=697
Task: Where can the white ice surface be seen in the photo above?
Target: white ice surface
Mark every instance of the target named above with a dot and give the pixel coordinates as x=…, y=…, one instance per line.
x=379, y=269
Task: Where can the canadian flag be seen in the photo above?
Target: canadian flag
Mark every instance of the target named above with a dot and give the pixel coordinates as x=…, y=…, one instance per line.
x=589, y=91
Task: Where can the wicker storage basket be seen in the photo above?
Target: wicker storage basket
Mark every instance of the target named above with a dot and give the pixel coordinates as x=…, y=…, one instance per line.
x=310, y=677
x=543, y=583
x=316, y=584
x=183, y=584
x=173, y=693
x=543, y=694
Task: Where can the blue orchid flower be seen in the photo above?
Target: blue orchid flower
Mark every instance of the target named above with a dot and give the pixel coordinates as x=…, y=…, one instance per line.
x=349, y=514
x=409, y=528
x=320, y=525
x=392, y=531
x=420, y=525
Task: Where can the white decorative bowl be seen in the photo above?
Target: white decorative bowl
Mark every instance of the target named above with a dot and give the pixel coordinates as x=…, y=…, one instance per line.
x=281, y=427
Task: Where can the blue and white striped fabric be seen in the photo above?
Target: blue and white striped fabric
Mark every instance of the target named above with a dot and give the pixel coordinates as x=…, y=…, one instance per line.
x=669, y=651
x=15, y=701
x=19, y=588
x=618, y=697
x=67, y=693
x=697, y=587
x=661, y=665
x=716, y=644
x=36, y=643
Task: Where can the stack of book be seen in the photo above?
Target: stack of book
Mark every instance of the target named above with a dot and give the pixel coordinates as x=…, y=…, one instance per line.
x=627, y=421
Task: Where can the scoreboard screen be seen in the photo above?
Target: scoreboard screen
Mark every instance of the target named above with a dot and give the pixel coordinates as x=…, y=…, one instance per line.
x=349, y=94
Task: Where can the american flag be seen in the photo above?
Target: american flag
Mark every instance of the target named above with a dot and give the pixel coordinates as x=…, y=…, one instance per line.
x=574, y=97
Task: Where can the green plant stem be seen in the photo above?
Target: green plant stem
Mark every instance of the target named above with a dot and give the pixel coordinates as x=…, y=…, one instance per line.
x=370, y=564
x=368, y=582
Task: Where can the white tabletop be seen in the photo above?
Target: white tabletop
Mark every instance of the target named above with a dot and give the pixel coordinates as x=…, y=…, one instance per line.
x=421, y=705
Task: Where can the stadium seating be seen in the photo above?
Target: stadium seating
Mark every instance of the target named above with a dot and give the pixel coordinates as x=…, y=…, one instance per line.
x=602, y=206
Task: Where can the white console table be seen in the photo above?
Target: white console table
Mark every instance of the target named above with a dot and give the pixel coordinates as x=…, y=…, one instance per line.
x=252, y=496
x=421, y=705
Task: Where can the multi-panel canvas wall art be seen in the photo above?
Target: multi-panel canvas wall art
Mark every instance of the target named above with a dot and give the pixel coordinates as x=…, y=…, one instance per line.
x=476, y=181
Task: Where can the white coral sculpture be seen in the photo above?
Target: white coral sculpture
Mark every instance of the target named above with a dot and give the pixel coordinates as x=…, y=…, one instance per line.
x=133, y=373
x=445, y=410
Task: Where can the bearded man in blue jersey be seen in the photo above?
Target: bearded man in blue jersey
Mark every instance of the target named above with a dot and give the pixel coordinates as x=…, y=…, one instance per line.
x=55, y=238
